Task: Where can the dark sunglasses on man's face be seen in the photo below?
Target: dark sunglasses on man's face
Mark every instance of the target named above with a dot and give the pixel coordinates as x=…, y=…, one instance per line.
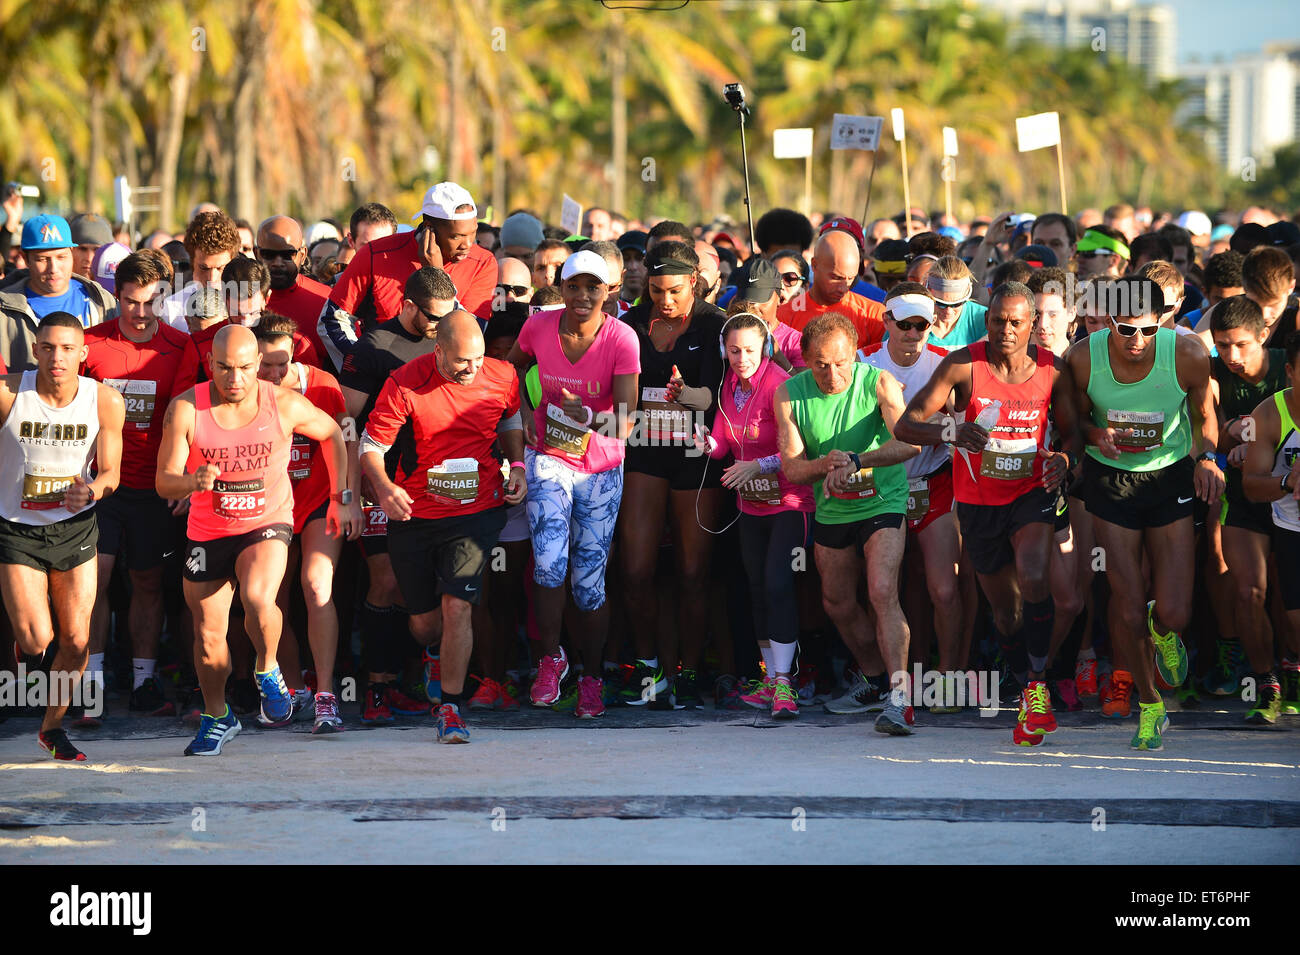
x=433, y=319
x=268, y=255
x=919, y=325
x=1128, y=330
x=518, y=291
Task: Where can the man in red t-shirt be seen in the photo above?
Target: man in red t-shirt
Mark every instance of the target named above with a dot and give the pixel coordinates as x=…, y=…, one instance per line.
x=835, y=268
x=148, y=362
x=371, y=287
x=446, y=512
x=281, y=249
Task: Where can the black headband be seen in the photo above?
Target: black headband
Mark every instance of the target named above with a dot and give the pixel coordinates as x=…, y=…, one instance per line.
x=671, y=267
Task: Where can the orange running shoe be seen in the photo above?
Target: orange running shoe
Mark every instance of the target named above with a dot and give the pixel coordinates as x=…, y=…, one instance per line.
x=1118, y=705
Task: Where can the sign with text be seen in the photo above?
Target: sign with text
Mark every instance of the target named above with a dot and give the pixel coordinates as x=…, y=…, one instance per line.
x=856, y=132
x=570, y=215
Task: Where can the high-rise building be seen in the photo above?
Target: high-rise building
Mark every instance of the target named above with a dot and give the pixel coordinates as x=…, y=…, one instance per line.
x=1119, y=30
x=1250, y=106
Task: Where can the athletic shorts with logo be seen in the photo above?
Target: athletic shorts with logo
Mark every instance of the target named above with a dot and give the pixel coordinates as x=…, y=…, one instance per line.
x=60, y=546
x=853, y=534
x=453, y=550
x=215, y=559
x=987, y=529
x=1247, y=515
x=135, y=522
x=1139, y=499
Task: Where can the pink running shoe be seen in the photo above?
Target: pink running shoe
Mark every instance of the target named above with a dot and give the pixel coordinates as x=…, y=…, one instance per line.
x=591, y=698
x=760, y=698
x=551, y=672
x=785, y=704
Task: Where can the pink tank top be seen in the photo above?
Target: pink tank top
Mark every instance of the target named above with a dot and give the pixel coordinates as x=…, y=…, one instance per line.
x=253, y=490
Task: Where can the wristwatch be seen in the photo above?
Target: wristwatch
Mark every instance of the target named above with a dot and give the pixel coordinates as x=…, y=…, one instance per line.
x=91, y=491
x=857, y=461
x=342, y=497
x=1208, y=456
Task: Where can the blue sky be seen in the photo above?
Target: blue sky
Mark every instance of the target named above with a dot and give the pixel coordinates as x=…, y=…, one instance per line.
x=1210, y=27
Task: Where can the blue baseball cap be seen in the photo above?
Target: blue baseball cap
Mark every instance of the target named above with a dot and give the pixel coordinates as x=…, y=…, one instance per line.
x=44, y=232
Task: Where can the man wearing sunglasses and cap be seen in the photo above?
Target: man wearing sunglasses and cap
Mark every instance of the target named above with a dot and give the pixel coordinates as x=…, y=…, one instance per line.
x=1151, y=431
x=1102, y=253
x=370, y=289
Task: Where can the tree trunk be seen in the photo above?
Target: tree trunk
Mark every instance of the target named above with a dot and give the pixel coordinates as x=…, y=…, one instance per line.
x=244, y=119
x=169, y=153
x=617, y=69
x=95, y=155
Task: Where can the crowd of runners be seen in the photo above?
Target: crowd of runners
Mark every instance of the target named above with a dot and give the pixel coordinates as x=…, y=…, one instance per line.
x=1024, y=462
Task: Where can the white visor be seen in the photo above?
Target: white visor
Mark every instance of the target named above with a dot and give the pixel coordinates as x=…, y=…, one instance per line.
x=911, y=305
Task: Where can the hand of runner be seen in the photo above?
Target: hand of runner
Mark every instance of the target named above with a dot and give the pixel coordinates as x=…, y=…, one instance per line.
x=1208, y=481
x=837, y=479
x=430, y=254
x=395, y=502
x=701, y=439
x=205, y=477
x=1237, y=456
x=1106, y=438
x=77, y=494
x=13, y=207
x=1055, y=467
x=516, y=487
x=344, y=520
x=675, y=385
x=836, y=459
x=999, y=230
x=742, y=472
x=573, y=406
x=179, y=507
x=971, y=437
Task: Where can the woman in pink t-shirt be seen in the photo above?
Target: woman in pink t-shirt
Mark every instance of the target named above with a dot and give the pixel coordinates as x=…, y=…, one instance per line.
x=774, y=514
x=588, y=365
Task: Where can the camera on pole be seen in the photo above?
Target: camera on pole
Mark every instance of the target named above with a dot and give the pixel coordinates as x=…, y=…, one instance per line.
x=735, y=96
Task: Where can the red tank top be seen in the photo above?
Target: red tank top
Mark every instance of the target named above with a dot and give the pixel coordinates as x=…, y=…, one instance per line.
x=253, y=490
x=1009, y=466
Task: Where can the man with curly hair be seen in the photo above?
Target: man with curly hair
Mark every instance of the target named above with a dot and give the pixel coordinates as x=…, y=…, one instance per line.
x=212, y=241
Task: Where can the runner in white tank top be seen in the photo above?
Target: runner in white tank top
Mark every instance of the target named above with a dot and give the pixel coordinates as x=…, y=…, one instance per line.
x=60, y=451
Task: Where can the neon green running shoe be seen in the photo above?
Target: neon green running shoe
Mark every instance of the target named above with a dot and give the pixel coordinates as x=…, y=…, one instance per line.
x=1268, y=709
x=1171, y=655
x=1290, y=691
x=1152, y=721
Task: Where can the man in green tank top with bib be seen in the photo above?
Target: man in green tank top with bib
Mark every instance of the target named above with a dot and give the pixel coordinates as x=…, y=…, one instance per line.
x=1150, y=425
x=836, y=422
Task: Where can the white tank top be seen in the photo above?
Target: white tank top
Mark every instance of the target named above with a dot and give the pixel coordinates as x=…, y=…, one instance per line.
x=1286, y=513
x=42, y=448
x=913, y=378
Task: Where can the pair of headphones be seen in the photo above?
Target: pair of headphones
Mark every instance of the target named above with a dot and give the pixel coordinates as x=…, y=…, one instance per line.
x=768, y=347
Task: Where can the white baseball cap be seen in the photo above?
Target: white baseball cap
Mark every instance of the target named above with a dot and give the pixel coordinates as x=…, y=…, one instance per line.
x=911, y=305
x=441, y=201
x=585, y=262
x=1196, y=222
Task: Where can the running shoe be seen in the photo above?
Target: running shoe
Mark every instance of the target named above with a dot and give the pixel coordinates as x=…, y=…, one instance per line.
x=1085, y=677
x=551, y=672
x=451, y=728
x=1186, y=694
x=375, y=708
x=148, y=700
x=1021, y=737
x=1117, y=695
x=759, y=696
x=666, y=699
x=326, y=710
x=192, y=708
x=864, y=695
x=1065, y=696
x=568, y=701
x=727, y=692
x=947, y=695
x=1152, y=721
x=56, y=743
x=401, y=703
x=1224, y=679
x=1171, y=655
x=644, y=685
x=304, y=705
x=432, y=678
x=214, y=733
x=1268, y=708
x=277, y=702
x=80, y=719
x=688, y=690
x=1290, y=688
x=487, y=696
x=785, y=705
x=897, y=718
x=806, y=683
x=591, y=698
x=1036, y=714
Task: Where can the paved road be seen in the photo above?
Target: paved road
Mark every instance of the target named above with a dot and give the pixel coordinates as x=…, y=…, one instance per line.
x=636, y=786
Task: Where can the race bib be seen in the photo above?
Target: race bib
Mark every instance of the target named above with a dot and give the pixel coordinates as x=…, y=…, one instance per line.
x=563, y=434
x=140, y=398
x=376, y=521
x=666, y=421
x=918, y=498
x=764, y=489
x=1007, y=459
x=239, y=499
x=43, y=492
x=861, y=486
x=1148, y=429
x=455, y=481
x=299, y=458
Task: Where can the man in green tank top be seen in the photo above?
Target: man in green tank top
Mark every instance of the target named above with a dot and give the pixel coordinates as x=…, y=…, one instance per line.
x=1246, y=373
x=1271, y=473
x=836, y=422
x=1145, y=405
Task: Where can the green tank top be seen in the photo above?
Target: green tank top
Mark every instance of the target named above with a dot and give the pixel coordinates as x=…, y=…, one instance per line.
x=850, y=421
x=1238, y=397
x=1155, y=407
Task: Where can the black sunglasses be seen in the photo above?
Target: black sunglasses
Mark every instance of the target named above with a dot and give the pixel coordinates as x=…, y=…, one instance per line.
x=268, y=255
x=518, y=291
x=919, y=325
x=429, y=315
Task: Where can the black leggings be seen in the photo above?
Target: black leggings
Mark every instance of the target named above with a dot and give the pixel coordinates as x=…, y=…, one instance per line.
x=767, y=548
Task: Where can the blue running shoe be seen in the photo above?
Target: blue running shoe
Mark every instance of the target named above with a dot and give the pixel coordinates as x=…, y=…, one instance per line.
x=451, y=728
x=432, y=678
x=277, y=701
x=213, y=734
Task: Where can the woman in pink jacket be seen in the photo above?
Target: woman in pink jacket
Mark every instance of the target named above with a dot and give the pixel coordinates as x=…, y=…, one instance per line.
x=775, y=515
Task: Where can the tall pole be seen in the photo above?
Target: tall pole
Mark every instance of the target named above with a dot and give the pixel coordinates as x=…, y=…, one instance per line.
x=807, y=185
x=907, y=191
x=617, y=68
x=871, y=177
x=744, y=159
x=1060, y=172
